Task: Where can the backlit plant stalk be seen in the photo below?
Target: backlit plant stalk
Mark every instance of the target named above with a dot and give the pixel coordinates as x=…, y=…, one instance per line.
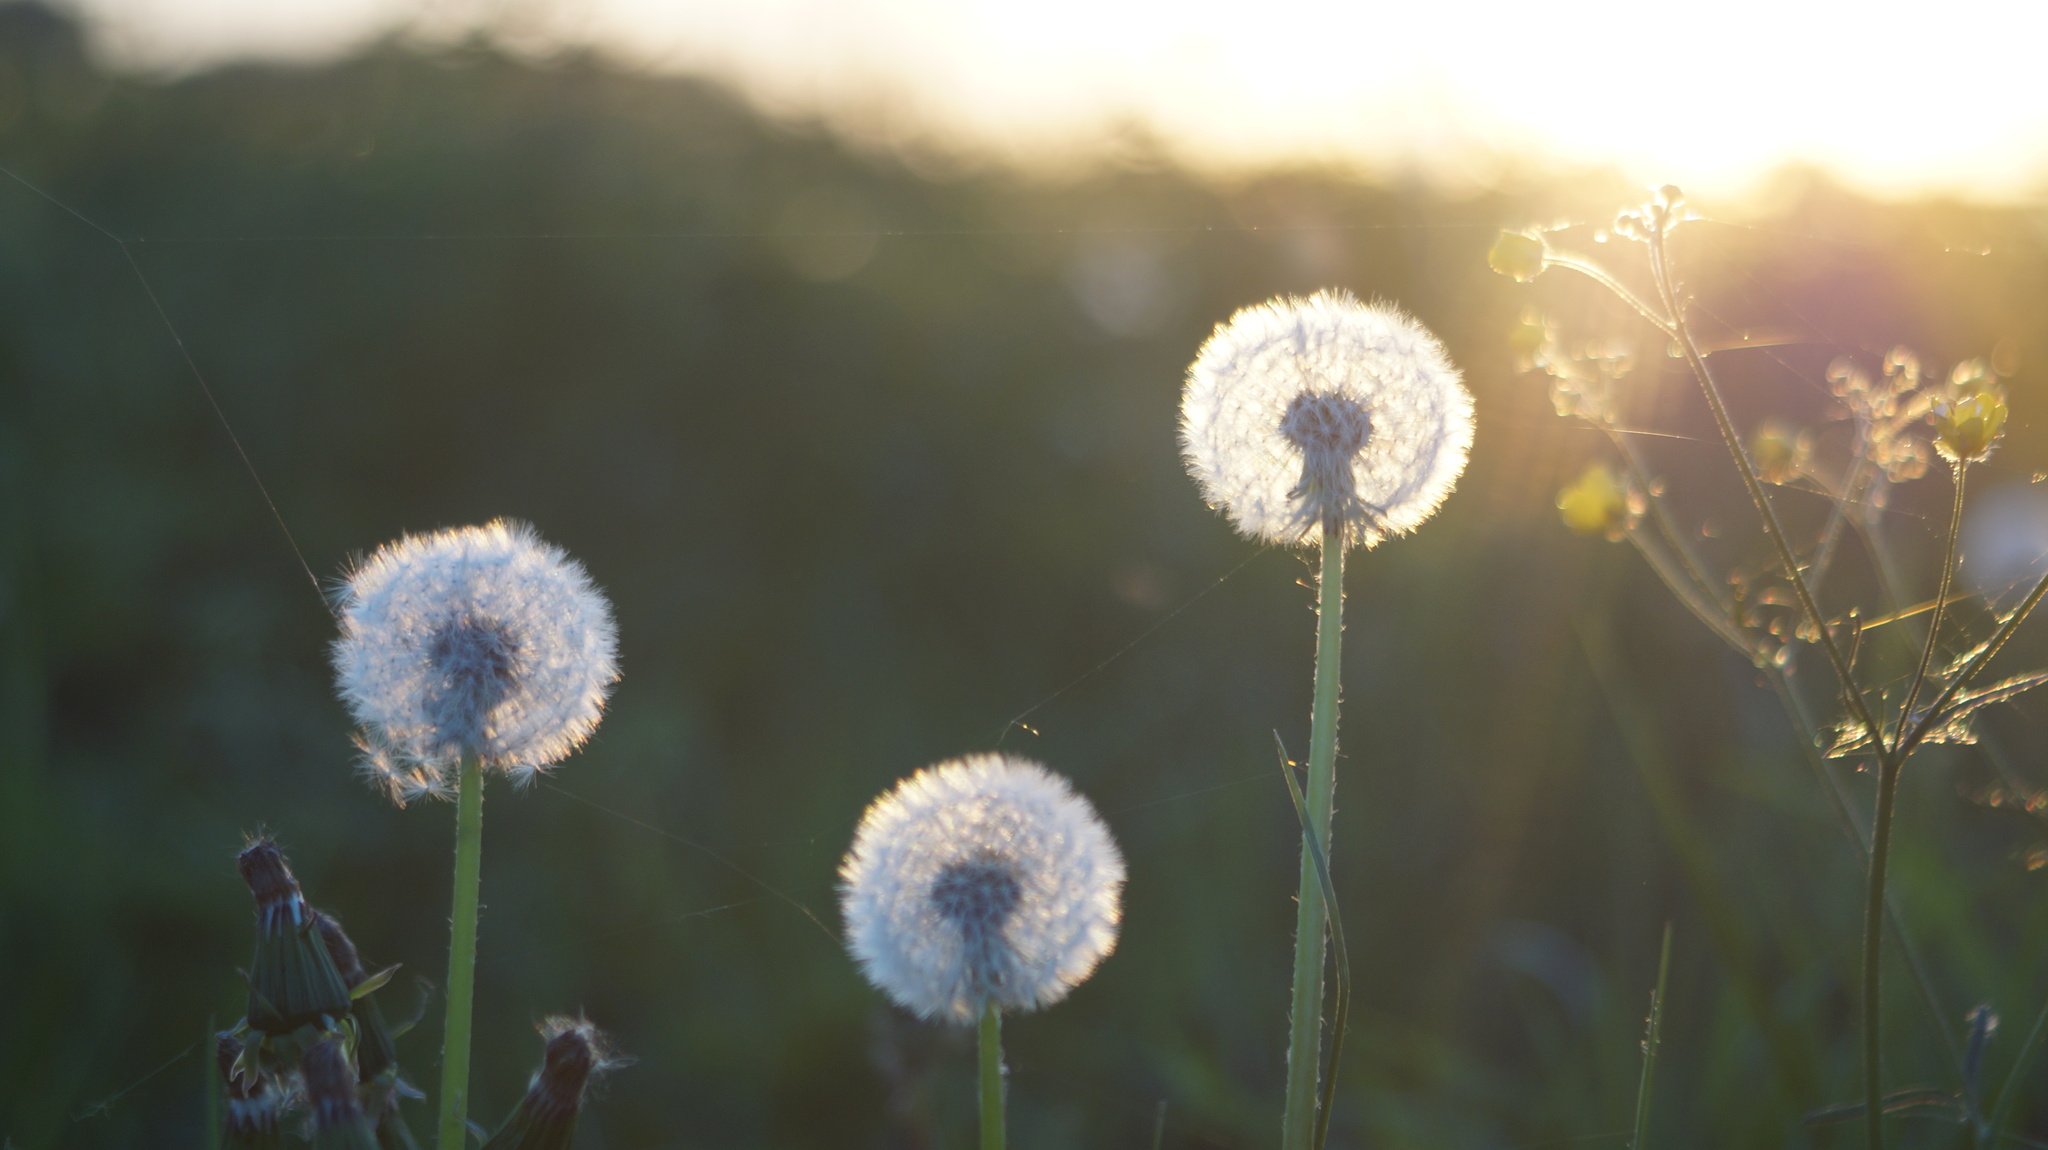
x=1327, y=421
x=1967, y=422
x=463, y=650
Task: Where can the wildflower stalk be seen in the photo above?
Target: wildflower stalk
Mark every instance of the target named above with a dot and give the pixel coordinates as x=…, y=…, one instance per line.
x=1888, y=762
x=991, y=1076
x=1305, y=1039
x=469, y=851
x=1697, y=361
x=1889, y=767
x=1948, y=573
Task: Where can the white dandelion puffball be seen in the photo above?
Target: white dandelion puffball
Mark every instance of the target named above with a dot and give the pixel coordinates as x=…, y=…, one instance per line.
x=981, y=879
x=1302, y=411
x=478, y=640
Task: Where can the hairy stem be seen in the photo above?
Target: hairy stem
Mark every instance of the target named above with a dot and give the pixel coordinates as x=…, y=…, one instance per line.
x=1873, y=949
x=1859, y=837
x=469, y=853
x=991, y=1077
x=1888, y=763
x=1305, y=1032
x=1998, y=640
x=1948, y=573
x=1682, y=332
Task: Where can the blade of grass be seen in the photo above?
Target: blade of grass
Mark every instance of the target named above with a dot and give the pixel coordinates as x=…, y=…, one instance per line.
x=2001, y=1107
x=1653, y=1037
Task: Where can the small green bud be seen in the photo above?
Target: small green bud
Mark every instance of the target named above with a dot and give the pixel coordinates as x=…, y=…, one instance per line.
x=1517, y=254
x=1595, y=504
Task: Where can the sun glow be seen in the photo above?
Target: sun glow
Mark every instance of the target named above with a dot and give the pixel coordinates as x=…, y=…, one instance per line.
x=1894, y=98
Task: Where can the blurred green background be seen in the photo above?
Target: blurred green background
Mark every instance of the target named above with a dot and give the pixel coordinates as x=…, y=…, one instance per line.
x=874, y=453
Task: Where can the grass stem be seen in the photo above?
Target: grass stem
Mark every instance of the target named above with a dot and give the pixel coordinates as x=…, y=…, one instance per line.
x=469, y=851
x=991, y=1077
x=1653, y=1036
x=1305, y=1031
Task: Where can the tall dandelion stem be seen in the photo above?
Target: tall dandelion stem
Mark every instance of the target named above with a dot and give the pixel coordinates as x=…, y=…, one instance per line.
x=991, y=1077
x=1305, y=1034
x=469, y=853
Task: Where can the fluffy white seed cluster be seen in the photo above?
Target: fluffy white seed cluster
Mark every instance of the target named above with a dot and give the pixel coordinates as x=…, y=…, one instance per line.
x=480, y=640
x=981, y=879
x=1302, y=412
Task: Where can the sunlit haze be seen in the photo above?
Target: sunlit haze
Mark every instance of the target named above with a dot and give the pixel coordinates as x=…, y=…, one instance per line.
x=1892, y=97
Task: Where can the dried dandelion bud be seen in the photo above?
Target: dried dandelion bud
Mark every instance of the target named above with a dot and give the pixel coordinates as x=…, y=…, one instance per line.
x=1304, y=413
x=254, y=1103
x=1968, y=421
x=1595, y=503
x=983, y=879
x=480, y=640
x=376, y=1052
x=338, y=1122
x=546, y=1117
x=292, y=979
x=1779, y=451
x=1517, y=255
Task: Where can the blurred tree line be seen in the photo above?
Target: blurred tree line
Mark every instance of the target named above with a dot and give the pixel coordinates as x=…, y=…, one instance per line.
x=875, y=453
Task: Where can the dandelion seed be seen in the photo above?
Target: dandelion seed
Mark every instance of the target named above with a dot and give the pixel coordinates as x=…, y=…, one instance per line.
x=1300, y=413
x=982, y=880
x=480, y=640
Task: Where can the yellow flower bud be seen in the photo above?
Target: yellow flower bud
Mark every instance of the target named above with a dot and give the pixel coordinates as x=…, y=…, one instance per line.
x=1595, y=503
x=1967, y=425
x=1517, y=254
x=1776, y=451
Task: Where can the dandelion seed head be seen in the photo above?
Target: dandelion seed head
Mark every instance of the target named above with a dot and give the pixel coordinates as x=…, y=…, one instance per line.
x=479, y=640
x=1299, y=412
x=985, y=878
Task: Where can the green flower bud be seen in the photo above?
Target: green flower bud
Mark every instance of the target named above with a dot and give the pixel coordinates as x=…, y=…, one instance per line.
x=1517, y=254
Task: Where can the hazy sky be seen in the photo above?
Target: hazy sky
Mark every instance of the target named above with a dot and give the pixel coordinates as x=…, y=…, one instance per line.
x=1893, y=96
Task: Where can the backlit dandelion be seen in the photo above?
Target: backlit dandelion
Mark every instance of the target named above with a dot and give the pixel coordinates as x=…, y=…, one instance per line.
x=1299, y=413
x=480, y=640
x=984, y=879
x=1330, y=421
x=476, y=648
x=981, y=885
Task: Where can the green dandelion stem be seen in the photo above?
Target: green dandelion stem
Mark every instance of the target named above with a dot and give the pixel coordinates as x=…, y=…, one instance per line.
x=991, y=1077
x=1305, y=1033
x=469, y=852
